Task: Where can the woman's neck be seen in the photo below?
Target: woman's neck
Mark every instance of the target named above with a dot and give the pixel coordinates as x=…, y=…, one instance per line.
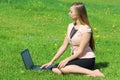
x=77, y=24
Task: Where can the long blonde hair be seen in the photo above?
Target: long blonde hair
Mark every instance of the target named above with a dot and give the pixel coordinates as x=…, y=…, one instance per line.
x=81, y=10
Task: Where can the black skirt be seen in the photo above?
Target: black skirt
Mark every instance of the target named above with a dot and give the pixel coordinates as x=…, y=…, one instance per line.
x=84, y=62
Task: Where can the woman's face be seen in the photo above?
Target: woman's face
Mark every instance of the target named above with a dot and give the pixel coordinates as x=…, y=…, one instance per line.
x=73, y=13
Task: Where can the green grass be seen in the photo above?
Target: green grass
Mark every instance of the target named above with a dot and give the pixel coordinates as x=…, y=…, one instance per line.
x=40, y=26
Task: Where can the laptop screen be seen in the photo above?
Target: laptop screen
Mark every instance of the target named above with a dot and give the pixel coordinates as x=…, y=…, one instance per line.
x=27, y=59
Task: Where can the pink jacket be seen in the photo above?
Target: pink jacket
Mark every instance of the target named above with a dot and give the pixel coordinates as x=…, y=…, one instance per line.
x=76, y=40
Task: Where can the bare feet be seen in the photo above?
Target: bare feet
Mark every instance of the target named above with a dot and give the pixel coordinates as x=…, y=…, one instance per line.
x=56, y=70
x=97, y=73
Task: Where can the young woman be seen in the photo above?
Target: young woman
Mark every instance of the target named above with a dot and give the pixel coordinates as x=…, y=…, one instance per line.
x=80, y=37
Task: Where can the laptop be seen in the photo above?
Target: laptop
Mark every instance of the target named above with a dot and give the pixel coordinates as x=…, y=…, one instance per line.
x=27, y=60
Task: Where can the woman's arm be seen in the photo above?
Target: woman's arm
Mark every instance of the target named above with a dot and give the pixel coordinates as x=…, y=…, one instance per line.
x=84, y=42
x=59, y=52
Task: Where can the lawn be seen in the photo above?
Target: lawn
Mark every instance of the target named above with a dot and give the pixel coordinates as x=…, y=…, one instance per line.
x=40, y=26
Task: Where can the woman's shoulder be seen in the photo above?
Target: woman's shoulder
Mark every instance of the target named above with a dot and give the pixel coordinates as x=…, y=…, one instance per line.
x=85, y=28
x=70, y=25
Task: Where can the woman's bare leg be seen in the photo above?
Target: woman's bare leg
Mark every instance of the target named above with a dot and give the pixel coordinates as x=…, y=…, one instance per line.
x=81, y=70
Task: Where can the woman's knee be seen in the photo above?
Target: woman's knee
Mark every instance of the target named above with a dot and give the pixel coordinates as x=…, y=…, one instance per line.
x=56, y=70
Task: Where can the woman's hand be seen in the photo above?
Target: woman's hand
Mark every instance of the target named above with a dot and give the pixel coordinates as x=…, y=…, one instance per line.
x=63, y=63
x=46, y=65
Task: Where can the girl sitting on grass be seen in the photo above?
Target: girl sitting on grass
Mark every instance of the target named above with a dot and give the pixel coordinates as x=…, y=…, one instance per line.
x=80, y=37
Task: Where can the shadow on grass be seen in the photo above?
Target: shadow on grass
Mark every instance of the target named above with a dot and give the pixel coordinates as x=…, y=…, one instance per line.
x=101, y=65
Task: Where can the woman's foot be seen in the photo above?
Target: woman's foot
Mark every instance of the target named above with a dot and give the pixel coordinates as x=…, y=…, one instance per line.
x=56, y=70
x=97, y=73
